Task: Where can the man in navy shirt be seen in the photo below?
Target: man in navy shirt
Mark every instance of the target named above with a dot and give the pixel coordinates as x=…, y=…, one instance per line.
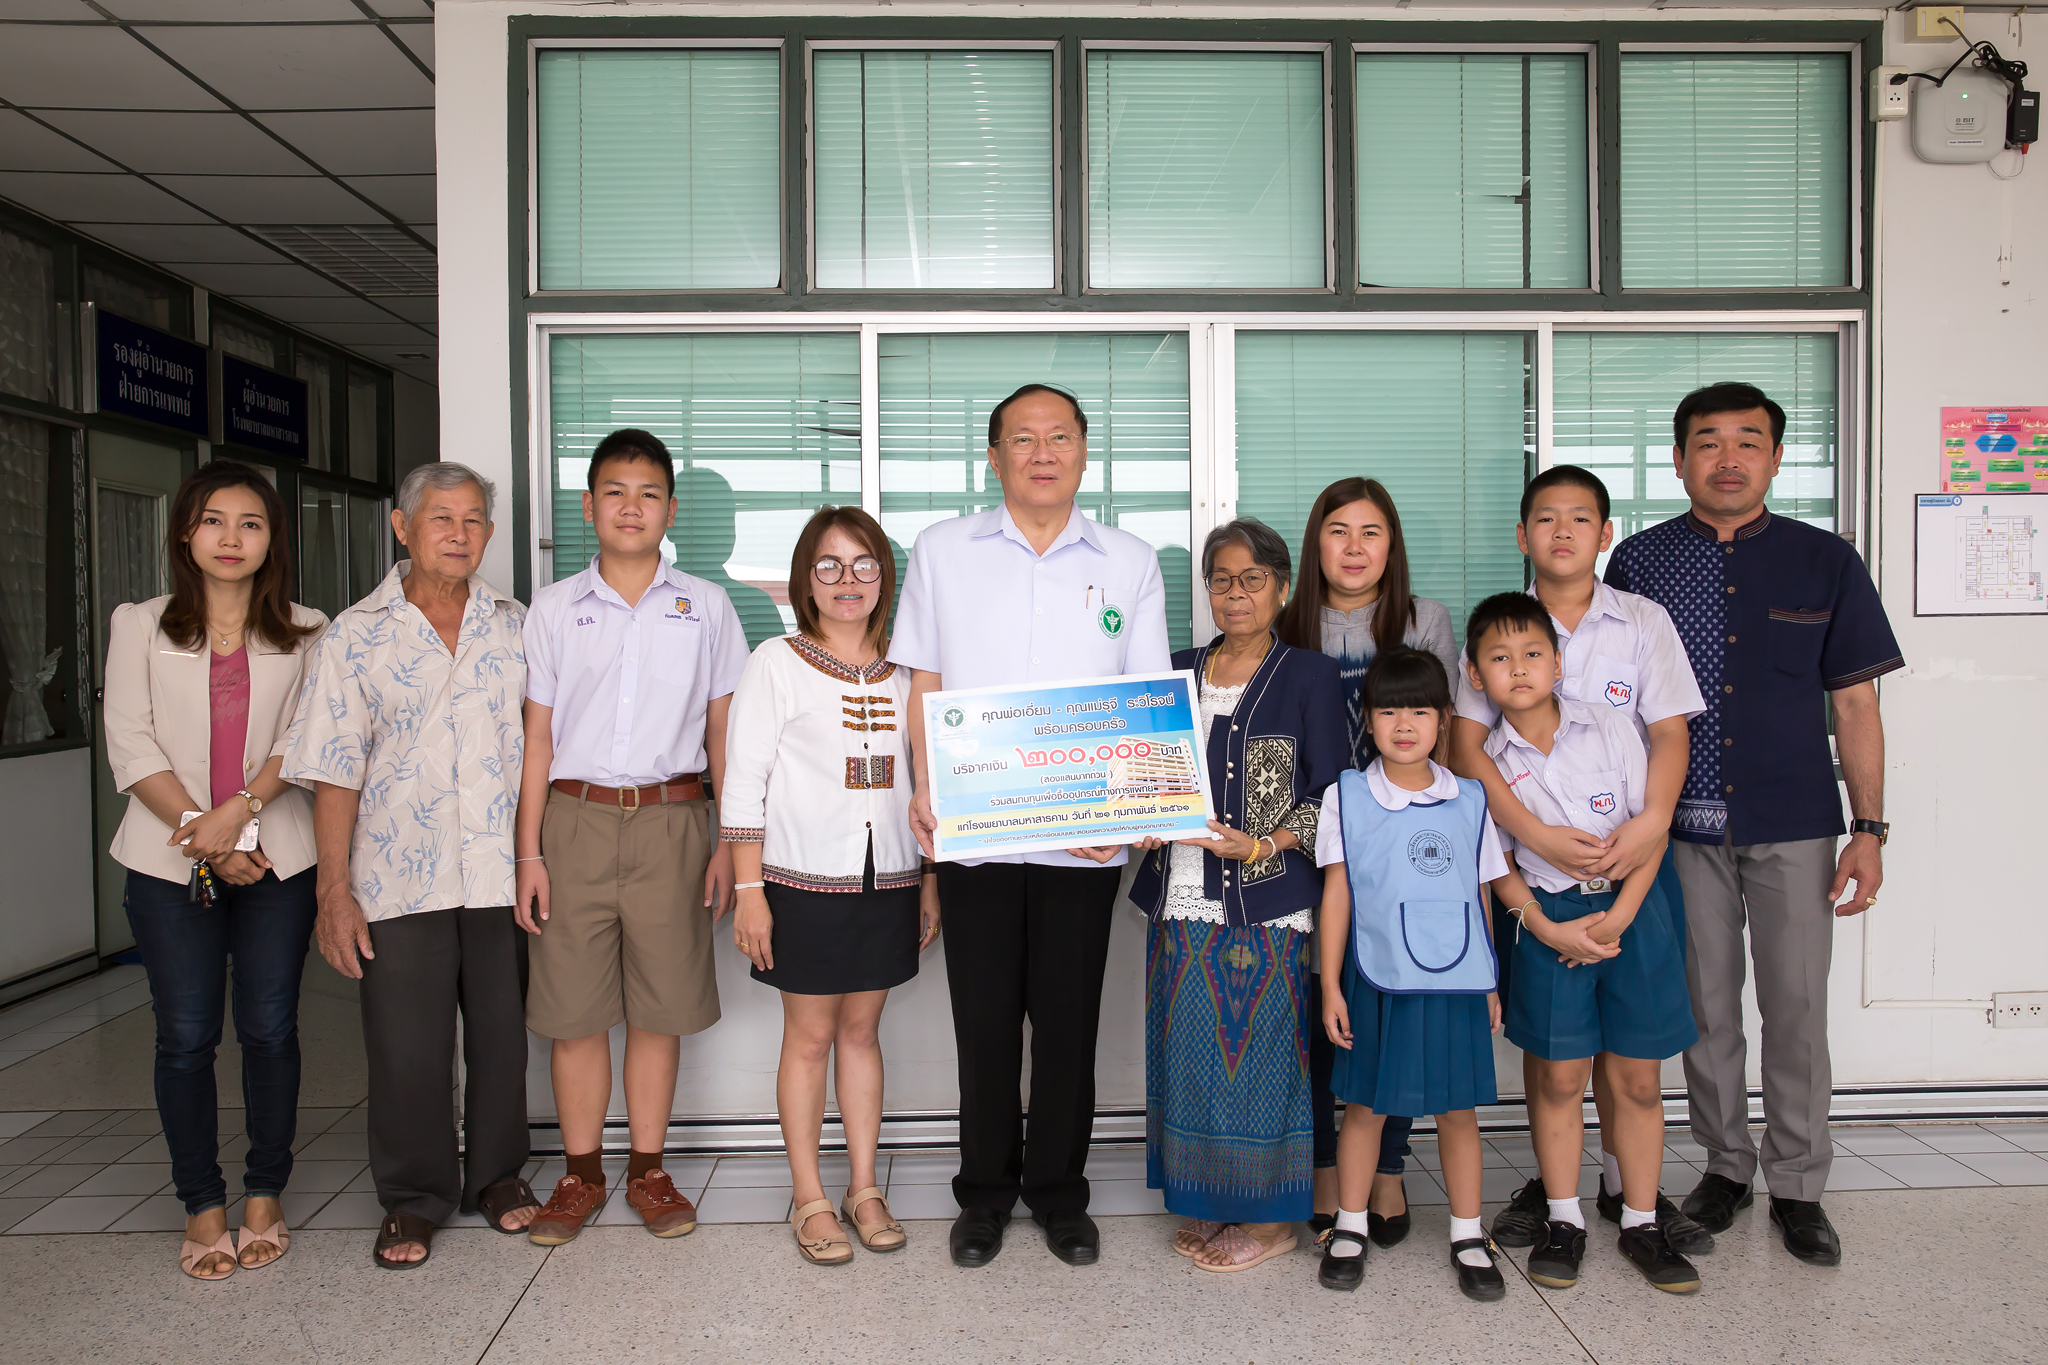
x=1780, y=619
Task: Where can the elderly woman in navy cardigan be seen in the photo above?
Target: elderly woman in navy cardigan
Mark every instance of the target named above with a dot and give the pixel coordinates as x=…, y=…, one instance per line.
x=1227, y=1109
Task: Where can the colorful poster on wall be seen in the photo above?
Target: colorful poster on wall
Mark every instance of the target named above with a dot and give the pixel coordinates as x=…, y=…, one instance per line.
x=1994, y=450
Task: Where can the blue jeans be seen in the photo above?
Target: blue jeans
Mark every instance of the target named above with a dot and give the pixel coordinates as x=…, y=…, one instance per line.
x=186, y=950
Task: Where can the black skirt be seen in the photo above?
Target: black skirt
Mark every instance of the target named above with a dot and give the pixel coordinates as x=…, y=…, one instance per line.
x=838, y=942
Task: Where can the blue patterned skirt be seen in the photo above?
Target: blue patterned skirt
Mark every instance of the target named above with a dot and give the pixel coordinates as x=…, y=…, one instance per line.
x=1228, y=1129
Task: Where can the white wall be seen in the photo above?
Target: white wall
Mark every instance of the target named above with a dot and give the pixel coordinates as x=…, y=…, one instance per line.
x=1959, y=916
x=46, y=917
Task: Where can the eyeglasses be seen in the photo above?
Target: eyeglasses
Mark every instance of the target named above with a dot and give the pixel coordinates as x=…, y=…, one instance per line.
x=866, y=569
x=1251, y=580
x=1024, y=443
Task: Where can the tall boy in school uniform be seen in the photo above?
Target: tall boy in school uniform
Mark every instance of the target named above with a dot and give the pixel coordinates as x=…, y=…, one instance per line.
x=1599, y=970
x=631, y=665
x=1619, y=652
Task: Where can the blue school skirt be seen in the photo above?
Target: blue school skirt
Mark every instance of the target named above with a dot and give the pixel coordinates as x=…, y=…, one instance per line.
x=1414, y=1054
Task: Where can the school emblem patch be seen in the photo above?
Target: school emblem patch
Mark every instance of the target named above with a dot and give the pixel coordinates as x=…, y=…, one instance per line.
x=1619, y=692
x=683, y=605
x=1111, y=619
x=1430, y=853
x=1602, y=803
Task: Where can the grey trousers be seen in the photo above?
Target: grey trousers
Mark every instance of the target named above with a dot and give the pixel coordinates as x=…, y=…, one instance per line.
x=1781, y=892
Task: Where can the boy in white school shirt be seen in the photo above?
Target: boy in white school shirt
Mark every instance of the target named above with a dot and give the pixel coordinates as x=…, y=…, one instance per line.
x=1599, y=966
x=1618, y=652
x=630, y=667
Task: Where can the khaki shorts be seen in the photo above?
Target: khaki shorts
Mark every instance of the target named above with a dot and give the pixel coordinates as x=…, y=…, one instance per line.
x=627, y=935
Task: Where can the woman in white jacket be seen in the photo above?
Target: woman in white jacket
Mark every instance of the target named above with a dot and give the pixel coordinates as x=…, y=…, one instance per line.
x=834, y=904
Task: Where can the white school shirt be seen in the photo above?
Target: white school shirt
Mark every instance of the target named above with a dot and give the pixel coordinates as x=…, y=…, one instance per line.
x=1443, y=786
x=1593, y=779
x=981, y=608
x=1625, y=656
x=629, y=685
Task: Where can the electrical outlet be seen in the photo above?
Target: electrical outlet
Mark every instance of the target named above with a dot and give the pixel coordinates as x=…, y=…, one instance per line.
x=1888, y=86
x=1928, y=21
x=2020, y=1009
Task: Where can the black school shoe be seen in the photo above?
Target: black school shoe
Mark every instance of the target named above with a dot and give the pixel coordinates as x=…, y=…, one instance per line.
x=1521, y=1223
x=1808, y=1233
x=1687, y=1237
x=1482, y=1283
x=1342, y=1273
x=1554, y=1264
x=1389, y=1232
x=1715, y=1201
x=1649, y=1251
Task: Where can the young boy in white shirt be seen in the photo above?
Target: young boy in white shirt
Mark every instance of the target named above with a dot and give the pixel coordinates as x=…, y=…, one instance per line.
x=1620, y=653
x=1599, y=968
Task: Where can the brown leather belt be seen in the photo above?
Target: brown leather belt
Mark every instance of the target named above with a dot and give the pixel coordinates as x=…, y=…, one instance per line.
x=688, y=787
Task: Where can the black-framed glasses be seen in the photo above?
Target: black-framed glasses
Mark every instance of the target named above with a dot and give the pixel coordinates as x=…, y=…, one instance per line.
x=866, y=569
x=1253, y=581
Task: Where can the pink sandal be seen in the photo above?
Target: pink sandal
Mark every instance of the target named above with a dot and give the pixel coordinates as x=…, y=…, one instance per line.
x=192, y=1253
x=1244, y=1250
x=277, y=1235
x=1194, y=1235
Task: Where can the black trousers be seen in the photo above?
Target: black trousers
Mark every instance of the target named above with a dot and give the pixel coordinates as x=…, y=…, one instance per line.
x=429, y=965
x=1026, y=942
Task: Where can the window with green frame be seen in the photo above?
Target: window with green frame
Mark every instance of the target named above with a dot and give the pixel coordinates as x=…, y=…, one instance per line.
x=1615, y=393
x=936, y=395
x=932, y=170
x=1472, y=170
x=764, y=429
x=658, y=168
x=1442, y=419
x=1735, y=170
x=1206, y=170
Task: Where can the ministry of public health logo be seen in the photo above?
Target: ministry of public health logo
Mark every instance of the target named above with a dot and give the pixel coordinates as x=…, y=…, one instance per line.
x=954, y=718
x=1430, y=853
x=1111, y=619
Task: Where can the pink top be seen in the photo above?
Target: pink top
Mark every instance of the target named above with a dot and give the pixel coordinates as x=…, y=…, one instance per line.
x=228, y=712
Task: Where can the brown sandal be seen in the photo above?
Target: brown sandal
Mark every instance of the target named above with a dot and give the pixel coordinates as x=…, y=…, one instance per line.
x=506, y=1196
x=884, y=1235
x=398, y=1229
x=832, y=1250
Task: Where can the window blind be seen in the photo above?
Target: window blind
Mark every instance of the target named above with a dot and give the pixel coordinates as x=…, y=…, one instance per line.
x=1441, y=418
x=658, y=168
x=1472, y=170
x=936, y=396
x=933, y=170
x=1616, y=391
x=764, y=429
x=1734, y=170
x=1205, y=170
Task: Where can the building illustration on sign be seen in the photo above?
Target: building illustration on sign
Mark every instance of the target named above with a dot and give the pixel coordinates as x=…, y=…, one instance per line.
x=1995, y=559
x=1165, y=770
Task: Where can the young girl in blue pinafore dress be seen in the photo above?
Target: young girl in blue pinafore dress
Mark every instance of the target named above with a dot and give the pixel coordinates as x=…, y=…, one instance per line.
x=1407, y=849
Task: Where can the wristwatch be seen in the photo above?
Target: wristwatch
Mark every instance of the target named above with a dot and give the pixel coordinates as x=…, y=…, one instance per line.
x=255, y=801
x=1877, y=827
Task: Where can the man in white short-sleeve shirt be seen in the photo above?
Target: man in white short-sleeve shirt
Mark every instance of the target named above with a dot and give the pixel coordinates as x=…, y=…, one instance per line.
x=1028, y=592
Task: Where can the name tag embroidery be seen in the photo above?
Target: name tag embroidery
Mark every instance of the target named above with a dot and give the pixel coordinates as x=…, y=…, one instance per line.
x=1619, y=692
x=586, y=620
x=1602, y=803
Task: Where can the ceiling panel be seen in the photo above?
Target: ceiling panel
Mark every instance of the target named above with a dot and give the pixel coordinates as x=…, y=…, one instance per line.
x=361, y=141
x=426, y=311
x=287, y=67
x=343, y=309
x=50, y=9
x=181, y=143
x=179, y=246
x=94, y=198
x=244, y=11
x=420, y=38
x=26, y=145
x=403, y=9
x=261, y=282
x=372, y=334
x=411, y=197
x=272, y=198
x=75, y=67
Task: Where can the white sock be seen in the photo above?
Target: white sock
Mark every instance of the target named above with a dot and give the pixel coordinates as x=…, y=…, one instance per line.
x=1354, y=1224
x=1465, y=1230
x=1635, y=1218
x=1567, y=1211
x=1610, y=1172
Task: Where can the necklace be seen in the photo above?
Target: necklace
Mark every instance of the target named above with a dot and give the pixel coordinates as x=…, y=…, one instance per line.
x=224, y=635
x=1209, y=669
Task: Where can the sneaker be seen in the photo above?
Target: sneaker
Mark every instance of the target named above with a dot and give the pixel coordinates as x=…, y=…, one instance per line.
x=1649, y=1251
x=1555, y=1262
x=1687, y=1237
x=1520, y=1224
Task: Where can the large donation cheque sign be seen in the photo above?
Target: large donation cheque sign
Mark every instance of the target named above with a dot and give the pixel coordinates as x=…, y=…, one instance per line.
x=1065, y=765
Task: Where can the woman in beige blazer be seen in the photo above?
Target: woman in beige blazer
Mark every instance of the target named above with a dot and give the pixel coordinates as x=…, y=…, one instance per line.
x=201, y=687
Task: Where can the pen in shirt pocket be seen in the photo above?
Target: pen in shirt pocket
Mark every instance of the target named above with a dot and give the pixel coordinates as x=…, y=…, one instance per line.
x=1088, y=598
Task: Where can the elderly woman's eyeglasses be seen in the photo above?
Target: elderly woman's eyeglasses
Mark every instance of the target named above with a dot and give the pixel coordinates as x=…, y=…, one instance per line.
x=866, y=569
x=1251, y=580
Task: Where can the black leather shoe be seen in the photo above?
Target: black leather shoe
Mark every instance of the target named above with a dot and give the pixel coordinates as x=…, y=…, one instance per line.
x=1073, y=1237
x=1808, y=1233
x=1687, y=1237
x=977, y=1236
x=1555, y=1263
x=1714, y=1202
x=1520, y=1224
x=1320, y=1226
x=1341, y=1272
x=1389, y=1232
x=1480, y=1282
x=1649, y=1251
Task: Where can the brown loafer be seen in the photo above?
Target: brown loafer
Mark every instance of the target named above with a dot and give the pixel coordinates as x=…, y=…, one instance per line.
x=567, y=1209
x=661, y=1206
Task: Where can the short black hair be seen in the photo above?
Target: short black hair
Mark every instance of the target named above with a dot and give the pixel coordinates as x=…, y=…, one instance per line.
x=995, y=418
x=1724, y=397
x=1509, y=609
x=1565, y=476
x=1404, y=677
x=631, y=443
